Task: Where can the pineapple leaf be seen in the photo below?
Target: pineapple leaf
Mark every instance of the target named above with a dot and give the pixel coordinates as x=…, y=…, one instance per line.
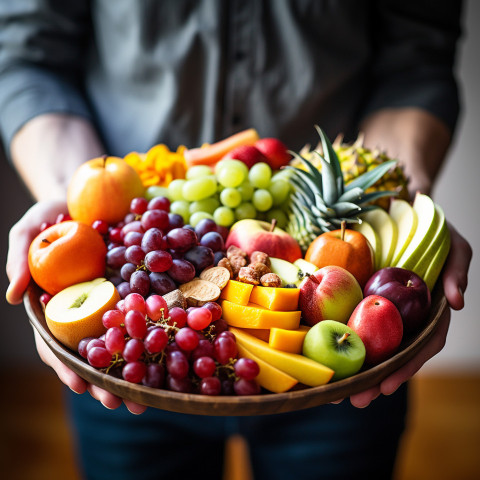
x=304, y=177
x=369, y=178
x=351, y=195
x=330, y=193
x=344, y=209
x=331, y=156
x=371, y=197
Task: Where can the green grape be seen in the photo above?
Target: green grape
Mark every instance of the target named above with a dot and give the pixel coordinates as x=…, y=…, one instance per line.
x=199, y=188
x=224, y=216
x=156, y=191
x=262, y=200
x=206, y=205
x=279, y=190
x=283, y=174
x=197, y=216
x=230, y=162
x=175, y=189
x=245, y=210
x=231, y=176
x=231, y=197
x=182, y=208
x=279, y=216
x=198, y=171
x=246, y=190
x=260, y=175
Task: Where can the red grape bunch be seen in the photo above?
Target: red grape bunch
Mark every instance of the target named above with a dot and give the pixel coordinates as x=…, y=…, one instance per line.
x=184, y=351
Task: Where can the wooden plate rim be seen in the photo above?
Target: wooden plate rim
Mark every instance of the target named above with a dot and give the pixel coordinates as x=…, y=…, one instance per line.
x=268, y=403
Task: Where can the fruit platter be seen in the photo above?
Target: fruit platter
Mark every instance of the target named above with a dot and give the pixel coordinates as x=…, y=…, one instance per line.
x=239, y=278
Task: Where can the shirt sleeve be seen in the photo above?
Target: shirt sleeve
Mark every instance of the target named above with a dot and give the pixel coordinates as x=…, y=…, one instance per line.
x=414, y=57
x=41, y=61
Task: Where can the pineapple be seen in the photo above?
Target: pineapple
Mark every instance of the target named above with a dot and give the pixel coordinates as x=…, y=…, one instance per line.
x=355, y=159
x=321, y=200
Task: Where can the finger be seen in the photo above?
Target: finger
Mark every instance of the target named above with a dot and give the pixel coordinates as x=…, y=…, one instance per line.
x=433, y=346
x=363, y=399
x=134, y=408
x=107, y=399
x=67, y=376
x=336, y=402
x=455, y=276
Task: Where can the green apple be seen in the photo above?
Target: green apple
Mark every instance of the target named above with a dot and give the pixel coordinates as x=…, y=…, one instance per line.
x=336, y=346
x=428, y=219
x=387, y=231
x=374, y=239
x=433, y=270
x=288, y=272
x=442, y=231
x=305, y=267
x=406, y=219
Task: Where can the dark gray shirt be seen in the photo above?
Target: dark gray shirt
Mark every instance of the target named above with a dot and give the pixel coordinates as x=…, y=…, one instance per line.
x=188, y=72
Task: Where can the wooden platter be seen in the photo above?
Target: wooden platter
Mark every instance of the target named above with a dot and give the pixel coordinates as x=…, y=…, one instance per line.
x=267, y=403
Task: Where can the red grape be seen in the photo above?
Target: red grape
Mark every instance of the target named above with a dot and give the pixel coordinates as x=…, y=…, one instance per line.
x=116, y=235
x=113, y=318
x=183, y=385
x=134, y=254
x=45, y=298
x=246, y=368
x=219, y=326
x=217, y=256
x=175, y=221
x=161, y=283
x=138, y=205
x=215, y=309
x=140, y=282
x=101, y=226
x=181, y=271
x=114, y=340
x=156, y=306
x=135, y=301
x=225, y=349
x=199, y=319
x=134, y=371
x=120, y=305
x=135, y=226
x=99, y=357
x=135, y=324
x=181, y=239
x=133, y=238
x=82, y=346
x=200, y=257
x=178, y=316
x=158, y=261
x=203, y=349
x=223, y=231
x=95, y=342
x=116, y=257
x=124, y=289
x=159, y=203
x=134, y=348
x=213, y=240
x=204, y=366
x=152, y=240
x=127, y=270
x=210, y=386
x=187, y=339
x=155, y=219
x=177, y=364
x=154, y=375
x=246, y=387
x=204, y=226
x=156, y=340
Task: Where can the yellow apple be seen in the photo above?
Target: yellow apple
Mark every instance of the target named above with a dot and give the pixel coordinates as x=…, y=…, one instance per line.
x=437, y=262
x=386, y=229
x=406, y=218
x=76, y=312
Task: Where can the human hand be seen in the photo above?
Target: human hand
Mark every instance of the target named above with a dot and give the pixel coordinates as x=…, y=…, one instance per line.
x=455, y=279
x=21, y=235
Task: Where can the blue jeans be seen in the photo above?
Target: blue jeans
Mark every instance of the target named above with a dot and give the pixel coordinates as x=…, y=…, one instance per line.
x=327, y=442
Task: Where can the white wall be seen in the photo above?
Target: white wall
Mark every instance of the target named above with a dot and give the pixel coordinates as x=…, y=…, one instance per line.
x=458, y=192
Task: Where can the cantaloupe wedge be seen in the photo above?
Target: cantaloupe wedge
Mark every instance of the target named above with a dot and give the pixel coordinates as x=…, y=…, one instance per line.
x=261, y=333
x=288, y=340
x=279, y=299
x=254, y=316
x=237, y=292
x=211, y=154
x=270, y=377
x=306, y=371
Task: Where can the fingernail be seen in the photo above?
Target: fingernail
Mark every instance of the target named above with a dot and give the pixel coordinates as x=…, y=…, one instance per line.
x=460, y=291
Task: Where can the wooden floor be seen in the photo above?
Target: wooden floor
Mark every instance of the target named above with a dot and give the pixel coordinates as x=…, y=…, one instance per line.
x=442, y=441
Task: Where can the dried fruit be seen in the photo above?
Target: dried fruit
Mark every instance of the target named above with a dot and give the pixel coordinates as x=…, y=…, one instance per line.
x=217, y=275
x=197, y=292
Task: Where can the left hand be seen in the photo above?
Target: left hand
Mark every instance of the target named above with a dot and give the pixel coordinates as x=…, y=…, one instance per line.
x=455, y=279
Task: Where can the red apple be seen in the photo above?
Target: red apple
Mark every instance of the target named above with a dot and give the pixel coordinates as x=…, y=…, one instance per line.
x=331, y=293
x=248, y=154
x=275, y=151
x=406, y=290
x=379, y=324
x=255, y=235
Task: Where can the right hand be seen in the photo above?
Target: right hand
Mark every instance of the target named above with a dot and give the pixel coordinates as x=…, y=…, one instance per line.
x=21, y=235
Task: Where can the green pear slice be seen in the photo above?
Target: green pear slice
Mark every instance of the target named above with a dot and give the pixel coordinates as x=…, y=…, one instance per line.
x=424, y=234
x=436, y=264
x=304, y=266
x=406, y=218
x=373, y=238
x=442, y=231
x=288, y=272
x=386, y=229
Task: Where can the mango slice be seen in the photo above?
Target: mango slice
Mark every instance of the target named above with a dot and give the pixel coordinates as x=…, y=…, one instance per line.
x=280, y=299
x=261, y=333
x=306, y=371
x=270, y=378
x=237, y=292
x=254, y=316
x=288, y=340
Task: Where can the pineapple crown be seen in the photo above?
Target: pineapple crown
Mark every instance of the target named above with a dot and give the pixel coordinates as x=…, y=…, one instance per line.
x=324, y=195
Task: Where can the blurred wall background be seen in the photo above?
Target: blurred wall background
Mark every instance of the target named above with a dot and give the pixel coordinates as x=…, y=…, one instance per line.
x=457, y=192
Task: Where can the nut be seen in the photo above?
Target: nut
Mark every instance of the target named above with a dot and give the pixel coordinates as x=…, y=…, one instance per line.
x=260, y=268
x=233, y=250
x=237, y=262
x=225, y=263
x=260, y=257
x=218, y=275
x=271, y=280
x=248, y=275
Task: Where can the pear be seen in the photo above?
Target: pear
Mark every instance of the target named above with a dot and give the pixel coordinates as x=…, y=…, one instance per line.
x=288, y=272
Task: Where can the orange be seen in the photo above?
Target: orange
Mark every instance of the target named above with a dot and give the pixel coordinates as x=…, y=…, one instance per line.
x=65, y=254
x=351, y=251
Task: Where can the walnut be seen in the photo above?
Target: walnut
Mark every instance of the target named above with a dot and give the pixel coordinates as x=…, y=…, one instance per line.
x=248, y=275
x=271, y=280
x=225, y=263
x=260, y=268
x=234, y=251
x=260, y=257
x=237, y=262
